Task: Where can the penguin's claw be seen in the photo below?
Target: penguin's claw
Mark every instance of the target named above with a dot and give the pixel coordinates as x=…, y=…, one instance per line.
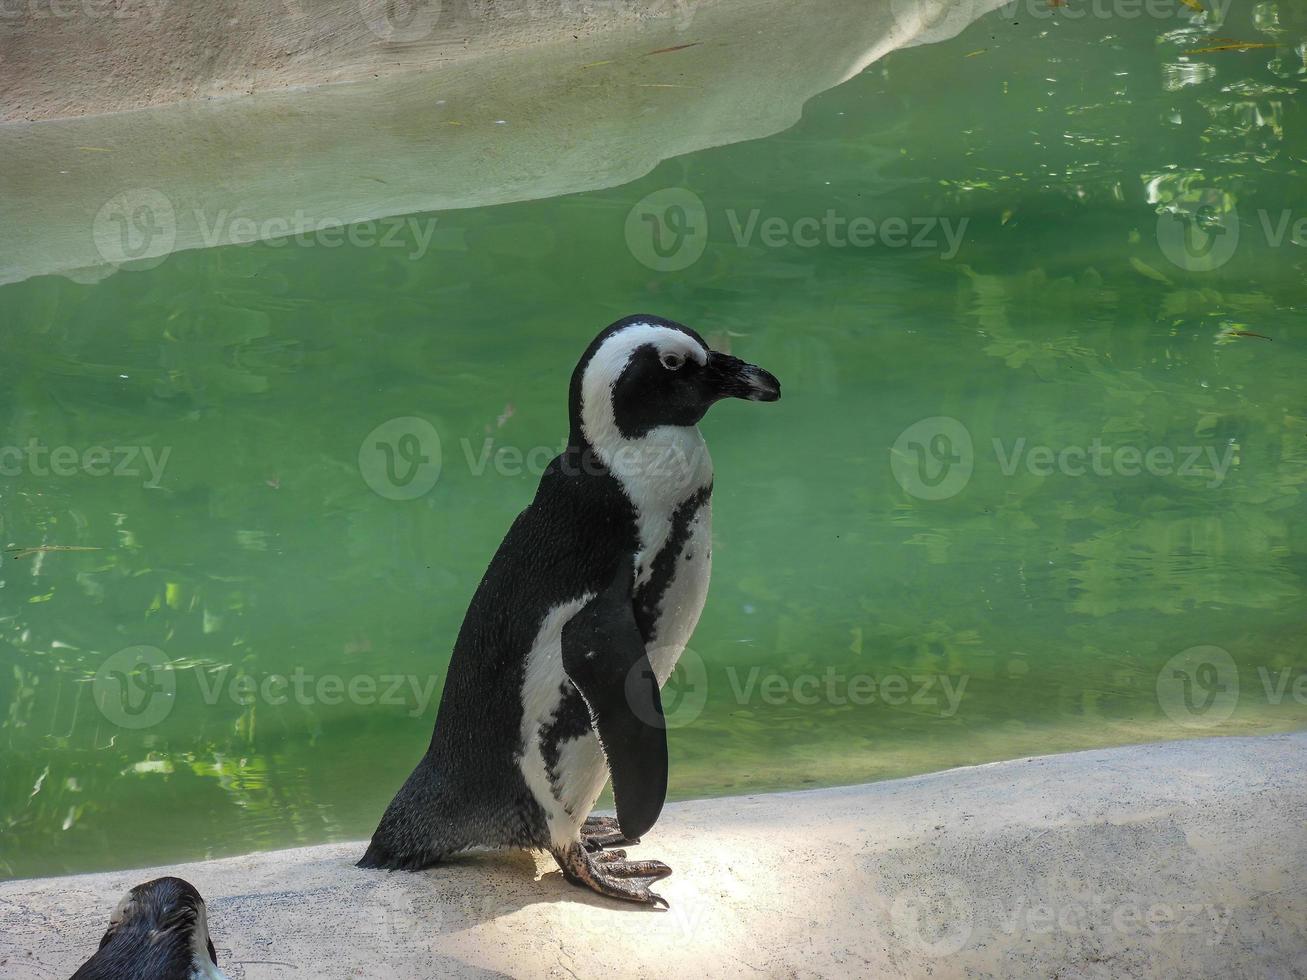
x=601, y=842
x=622, y=868
x=611, y=875
x=598, y=833
x=650, y=870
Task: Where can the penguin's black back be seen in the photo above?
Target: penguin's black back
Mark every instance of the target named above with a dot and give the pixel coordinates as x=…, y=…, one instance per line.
x=468, y=790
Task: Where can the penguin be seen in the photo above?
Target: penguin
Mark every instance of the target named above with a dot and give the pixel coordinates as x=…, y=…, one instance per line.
x=159, y=931
x=553, y=685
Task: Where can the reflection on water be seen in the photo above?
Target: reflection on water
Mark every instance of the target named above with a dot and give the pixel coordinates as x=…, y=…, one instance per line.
x=1036, y=483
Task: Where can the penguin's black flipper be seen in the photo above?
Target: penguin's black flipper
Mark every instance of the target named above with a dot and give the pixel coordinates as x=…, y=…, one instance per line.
x=604, y=656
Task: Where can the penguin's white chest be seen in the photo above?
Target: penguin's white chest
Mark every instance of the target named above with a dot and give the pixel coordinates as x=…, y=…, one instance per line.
x=684, y=595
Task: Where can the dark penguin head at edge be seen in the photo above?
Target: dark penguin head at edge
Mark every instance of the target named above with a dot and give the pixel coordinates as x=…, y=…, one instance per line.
x=159, y=929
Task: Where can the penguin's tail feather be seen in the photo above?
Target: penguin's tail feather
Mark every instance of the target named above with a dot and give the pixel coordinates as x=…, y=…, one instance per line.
x=378, y=856
x=418, y=829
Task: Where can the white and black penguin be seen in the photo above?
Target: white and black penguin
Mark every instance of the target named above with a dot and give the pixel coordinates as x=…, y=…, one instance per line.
x=159, y=931
x=554, y=682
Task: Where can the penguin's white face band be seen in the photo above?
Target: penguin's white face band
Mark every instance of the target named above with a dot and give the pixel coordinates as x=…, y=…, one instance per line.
x=615, y=363
x=673, y=348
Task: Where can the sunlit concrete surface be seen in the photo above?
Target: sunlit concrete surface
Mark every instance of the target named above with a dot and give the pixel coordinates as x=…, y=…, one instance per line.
x=87, y=196
x=1181, y=859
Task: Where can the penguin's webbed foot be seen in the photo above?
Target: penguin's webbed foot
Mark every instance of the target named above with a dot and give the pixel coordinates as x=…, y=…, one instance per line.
x=610, y=874
x=598, y=833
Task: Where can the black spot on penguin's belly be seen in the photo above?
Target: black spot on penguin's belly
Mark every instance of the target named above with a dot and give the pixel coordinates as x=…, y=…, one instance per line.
x=571, y=721
x=649, y=597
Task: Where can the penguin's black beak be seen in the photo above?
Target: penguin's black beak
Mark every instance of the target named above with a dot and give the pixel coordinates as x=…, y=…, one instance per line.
x=734, y=378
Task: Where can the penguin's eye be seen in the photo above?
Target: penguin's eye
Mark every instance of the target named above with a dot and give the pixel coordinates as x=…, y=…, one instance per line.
x=672, y=362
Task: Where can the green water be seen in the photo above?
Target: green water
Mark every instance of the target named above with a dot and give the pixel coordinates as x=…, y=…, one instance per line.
x=872, y=614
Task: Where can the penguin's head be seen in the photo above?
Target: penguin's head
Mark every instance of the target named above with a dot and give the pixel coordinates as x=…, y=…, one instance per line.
x=164, y=919
x=644, y=372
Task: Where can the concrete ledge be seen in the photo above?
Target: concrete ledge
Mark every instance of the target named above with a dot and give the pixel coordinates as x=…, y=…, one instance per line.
x=1175, y=859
